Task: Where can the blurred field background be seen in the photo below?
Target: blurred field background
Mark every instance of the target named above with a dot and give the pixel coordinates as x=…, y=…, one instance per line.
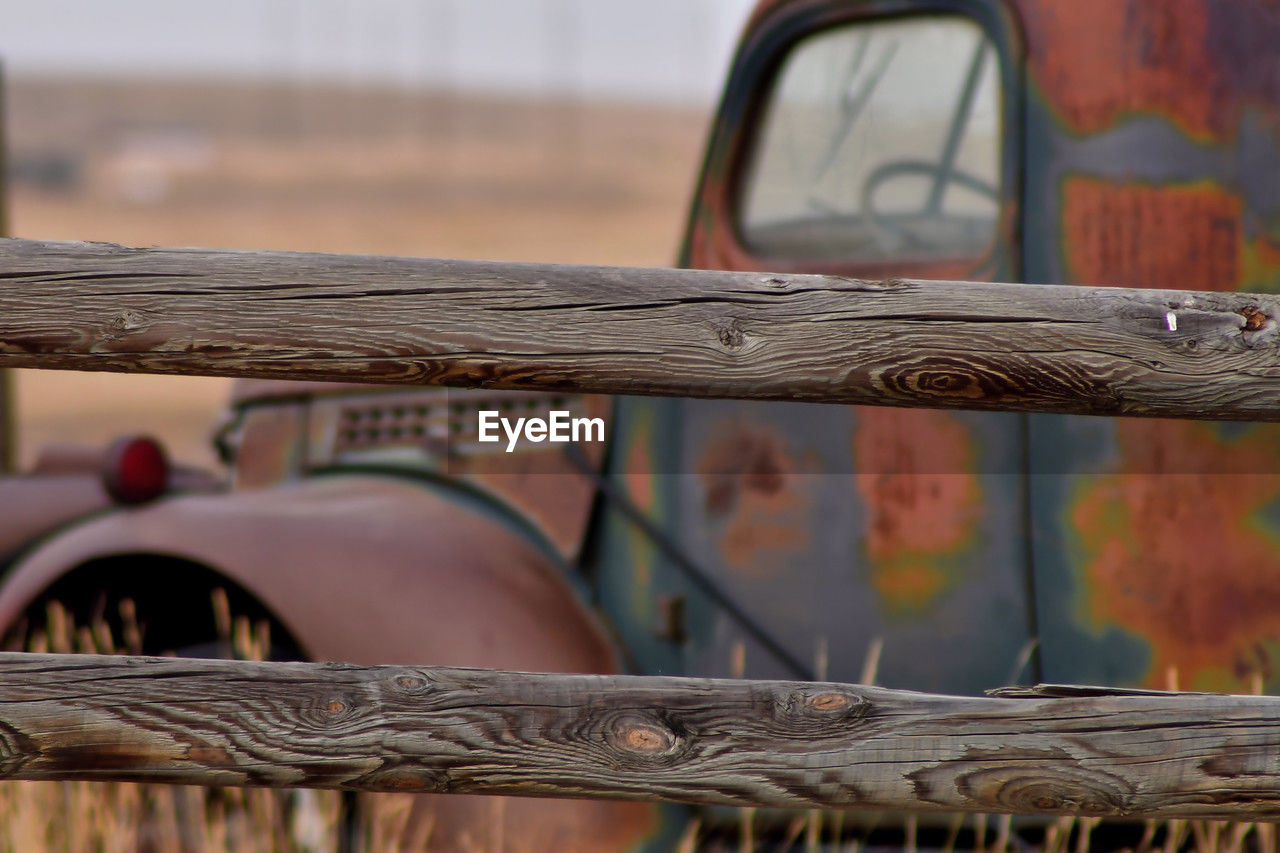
x=323, y=168
x=417, y=156
x=300, y=156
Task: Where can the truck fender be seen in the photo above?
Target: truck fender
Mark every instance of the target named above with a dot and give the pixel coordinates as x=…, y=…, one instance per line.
x=361, y=569
x=373, y=570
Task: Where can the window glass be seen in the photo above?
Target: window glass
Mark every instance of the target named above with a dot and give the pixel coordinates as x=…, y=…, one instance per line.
x=880, y=141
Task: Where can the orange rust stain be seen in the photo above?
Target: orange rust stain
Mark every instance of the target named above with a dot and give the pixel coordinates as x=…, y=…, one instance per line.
x=1261, y=265
x=638, y=475
x=750, y=482
x=1267, y=253
x=908, y=585
x=924, y=500
x=1185, y=560
x=638, y=479
x=1096, y=60
x=743, y=461
x=753, y=534
x=1187, y=237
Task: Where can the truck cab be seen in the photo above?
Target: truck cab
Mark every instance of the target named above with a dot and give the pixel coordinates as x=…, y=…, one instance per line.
x=1104, y=143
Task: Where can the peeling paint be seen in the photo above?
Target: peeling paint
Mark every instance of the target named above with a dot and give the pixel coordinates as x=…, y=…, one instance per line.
x=750, y=489
x=1100, y=60
x=924, y=501
x=1132, y=235
x=1185, y=560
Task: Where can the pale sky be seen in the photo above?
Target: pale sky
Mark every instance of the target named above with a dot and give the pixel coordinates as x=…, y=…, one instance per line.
x=648, y=49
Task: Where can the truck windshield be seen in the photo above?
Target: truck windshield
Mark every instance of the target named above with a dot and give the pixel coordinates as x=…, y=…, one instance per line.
x=879, y=141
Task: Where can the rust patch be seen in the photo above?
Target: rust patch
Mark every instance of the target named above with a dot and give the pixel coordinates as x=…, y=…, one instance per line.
x=750, y=483
x=757, y=531
x=638, y=473
x=1186, y=560
x=923, y=499
x=744, y=461
x=638, y=479
x=1261, y=265
x=908, y=584
x=1197, y=62
x=1129, y=235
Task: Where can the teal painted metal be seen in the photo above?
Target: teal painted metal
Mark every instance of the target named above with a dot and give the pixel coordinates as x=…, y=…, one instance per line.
x=832, y=527
x=1153, y=155
x=1142, y=156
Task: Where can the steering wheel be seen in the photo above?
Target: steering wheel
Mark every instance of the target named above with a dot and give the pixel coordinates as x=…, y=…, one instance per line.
x=890, y=232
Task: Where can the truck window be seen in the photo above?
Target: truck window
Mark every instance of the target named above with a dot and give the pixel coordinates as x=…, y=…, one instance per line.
x=879, y=141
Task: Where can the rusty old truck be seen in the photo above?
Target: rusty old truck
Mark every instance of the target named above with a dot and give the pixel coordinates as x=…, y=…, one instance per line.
x=1119, y=142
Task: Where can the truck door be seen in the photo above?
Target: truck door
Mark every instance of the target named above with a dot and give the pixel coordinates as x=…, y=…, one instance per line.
x=866, y=140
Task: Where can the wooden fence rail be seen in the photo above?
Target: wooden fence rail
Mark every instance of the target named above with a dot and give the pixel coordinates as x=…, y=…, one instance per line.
x=1045, y=348
x=786, y=744
x=1108, y=351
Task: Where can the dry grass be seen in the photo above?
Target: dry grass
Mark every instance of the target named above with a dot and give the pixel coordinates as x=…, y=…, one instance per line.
x=817, y=830
x=162, y=818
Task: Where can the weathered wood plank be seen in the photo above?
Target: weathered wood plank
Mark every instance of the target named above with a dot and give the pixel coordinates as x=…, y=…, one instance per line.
x=1107, y=351
x=786, y=744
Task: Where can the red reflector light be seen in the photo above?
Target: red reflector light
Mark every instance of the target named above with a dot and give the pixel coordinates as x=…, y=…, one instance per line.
x=135, y=470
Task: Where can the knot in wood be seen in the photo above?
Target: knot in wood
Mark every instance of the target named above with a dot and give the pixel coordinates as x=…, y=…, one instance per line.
x=400, y=777
x=944, y=383
x=640, y=740
x=1047, y=798
x=1040, y=781
x=16, y=749
x=829, y=702
x=1254, y=319
x=128, y=321
x=410, y=683
x=817, y=712
x=645, y=739
x=731, y=336
x=328, y=712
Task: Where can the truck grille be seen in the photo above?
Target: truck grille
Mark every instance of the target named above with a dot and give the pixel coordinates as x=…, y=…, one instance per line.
x=437, y=421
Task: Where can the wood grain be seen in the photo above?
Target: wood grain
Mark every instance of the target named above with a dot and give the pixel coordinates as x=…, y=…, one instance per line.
x=785, y=744
x=1089, y=350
